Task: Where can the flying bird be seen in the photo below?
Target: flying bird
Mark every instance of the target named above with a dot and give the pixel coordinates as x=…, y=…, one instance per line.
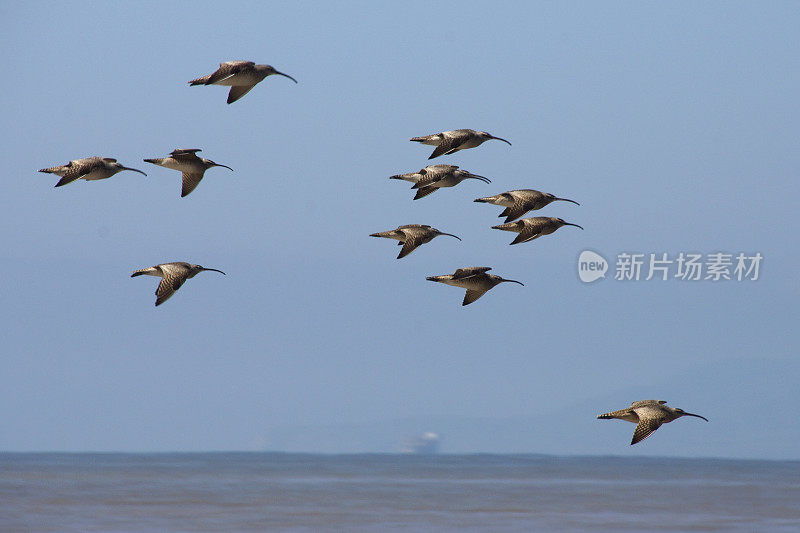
x=187, y=162
x=449, y=142
x=411, y=236
x=241, y=76
x=648, y=415
x=519, y=202
x=533, y=228
x=474, y=279
x=88, y=168
x=433, y=177
x=173, y=276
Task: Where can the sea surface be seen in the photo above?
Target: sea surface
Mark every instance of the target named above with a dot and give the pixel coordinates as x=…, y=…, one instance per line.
x=299, y=492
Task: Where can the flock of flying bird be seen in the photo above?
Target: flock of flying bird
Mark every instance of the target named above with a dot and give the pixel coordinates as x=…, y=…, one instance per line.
x=241, y=77
x=428, y=180
x=648, y=415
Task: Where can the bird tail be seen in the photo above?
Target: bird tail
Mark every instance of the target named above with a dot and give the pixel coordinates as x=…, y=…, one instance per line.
x=141, y=272
x=200, y=81
x=51, y=170
x=605, y=416
x=506, y=227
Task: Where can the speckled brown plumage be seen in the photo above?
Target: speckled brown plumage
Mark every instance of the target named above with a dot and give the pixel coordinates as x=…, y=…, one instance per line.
x=474, y=279
x=173, y=275
x=433, y=177
x=192, y=167
x=87, y=168
x=449, y=142
x=533, y=228
x=520, y=201
x=648, y=415
x=241, y=76
x=412, y=236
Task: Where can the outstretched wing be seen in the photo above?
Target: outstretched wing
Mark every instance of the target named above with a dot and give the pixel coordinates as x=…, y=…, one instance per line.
x=472, y=295
x=645, y=403
x=432, y=174
x=190, y=181
x=515, y=211
x=425, y=191
x=469, y=271
x=237, y=91
x=411, y=243
x=185, y=154
x=174, y=277
x=645, y=428
x=530, y=231
x=450, y=143
x=528, y=234
x=76, y=170
x=228, y=69
x=414, y=226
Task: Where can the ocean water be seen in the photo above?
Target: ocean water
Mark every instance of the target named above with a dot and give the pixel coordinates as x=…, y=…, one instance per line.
x=299, y=492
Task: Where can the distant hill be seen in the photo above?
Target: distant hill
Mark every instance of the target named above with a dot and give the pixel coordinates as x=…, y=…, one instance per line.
x=750, y=417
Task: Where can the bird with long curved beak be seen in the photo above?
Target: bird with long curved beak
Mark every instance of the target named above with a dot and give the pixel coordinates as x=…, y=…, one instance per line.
x=185, y=160
x=240, y=76
x=519, y=202
x=173, y=276
x=411, y=236
x=88, y=168
x=648, y=415
x=534, y=227
x=474, y=279
x=433, y=177
x=450, y=142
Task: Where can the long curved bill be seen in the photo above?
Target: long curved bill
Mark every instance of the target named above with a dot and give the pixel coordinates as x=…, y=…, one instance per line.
x=698, y=416
x=481, y=178
x=500, y=139
x=215, y=270
x=134, y=169
x=568, y=200
x=285, y=76
x=224, y=166
x=514, y=281
x=571, y=224
x=450, y=235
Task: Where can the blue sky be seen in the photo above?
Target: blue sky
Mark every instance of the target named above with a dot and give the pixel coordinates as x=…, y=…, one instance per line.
x=674, y=126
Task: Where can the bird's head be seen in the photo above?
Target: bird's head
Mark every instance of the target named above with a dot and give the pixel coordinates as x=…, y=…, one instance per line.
x=270, y=70
x=486, y=136
x=213, y=164
x=119, y=168
x=562, y=222
x=200, y=268
x=680, y=412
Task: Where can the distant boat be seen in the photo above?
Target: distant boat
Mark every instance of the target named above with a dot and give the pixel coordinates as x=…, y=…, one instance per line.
x=425, y=444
